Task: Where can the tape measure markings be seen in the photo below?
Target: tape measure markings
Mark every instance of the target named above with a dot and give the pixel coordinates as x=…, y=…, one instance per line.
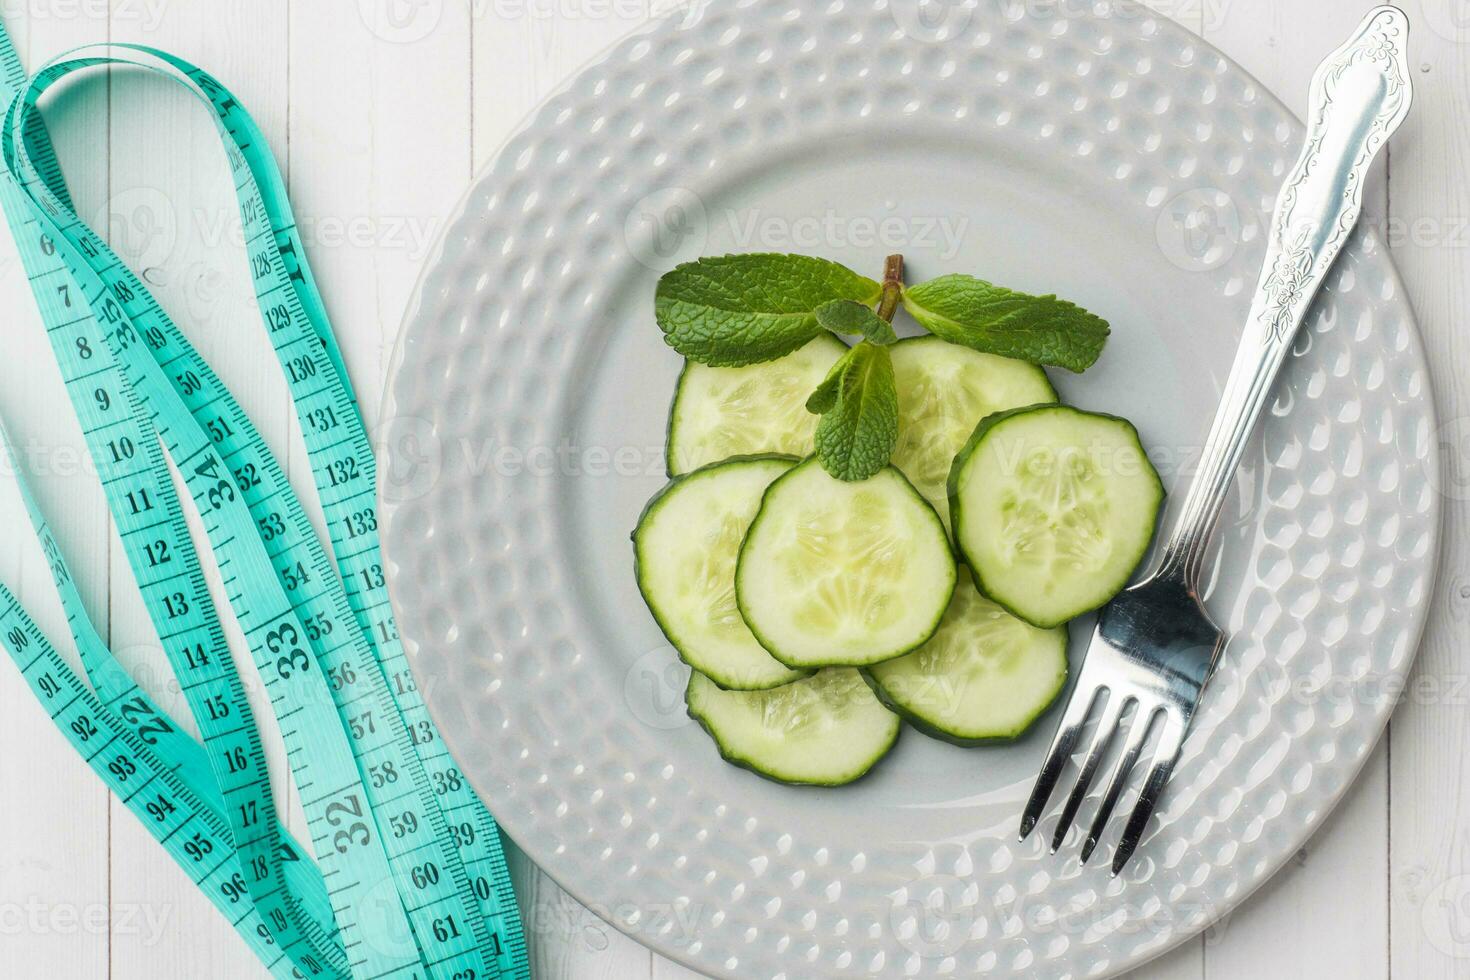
x=195, y=448
x=190, y=436
x=192, y=655
x=173, y=816
x=361, y=569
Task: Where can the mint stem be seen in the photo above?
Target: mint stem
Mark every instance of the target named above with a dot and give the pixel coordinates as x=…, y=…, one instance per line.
x=892, y=287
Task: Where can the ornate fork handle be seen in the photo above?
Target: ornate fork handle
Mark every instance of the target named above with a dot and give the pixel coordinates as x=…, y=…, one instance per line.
x=1359, y=96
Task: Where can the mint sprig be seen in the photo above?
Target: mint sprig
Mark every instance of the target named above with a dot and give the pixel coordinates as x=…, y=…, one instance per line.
x=1040, y=329
x=858, y=402
x=733, y=310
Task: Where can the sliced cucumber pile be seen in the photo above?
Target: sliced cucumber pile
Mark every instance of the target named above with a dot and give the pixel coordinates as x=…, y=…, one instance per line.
x=1053, y=509
x=944, y=390
x=984, y=676
x=720, y=412
x=685, y=547
x=818, y=614
x=836, y=573
x=824, y=730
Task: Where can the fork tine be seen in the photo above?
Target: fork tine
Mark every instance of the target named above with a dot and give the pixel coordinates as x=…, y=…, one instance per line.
x=1107, y=727
x=1143, y=719
x=1171, y=739
x=1078, y=708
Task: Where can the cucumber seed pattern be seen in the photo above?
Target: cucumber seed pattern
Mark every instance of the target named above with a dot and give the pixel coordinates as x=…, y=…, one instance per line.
x=687, y=543
x=1054, y=515
x=722, y=412
x=983, y=675
x=943, y=392
x=839, y=573
x=850, y=559
x=1053, y=509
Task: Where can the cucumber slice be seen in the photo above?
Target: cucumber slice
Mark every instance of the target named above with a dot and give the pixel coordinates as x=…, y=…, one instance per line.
x=985, y=676
x=720, y=412
x=685, y=547
x=824, y=730
x=835, y=573
x=1053, y=509
x=943, y=391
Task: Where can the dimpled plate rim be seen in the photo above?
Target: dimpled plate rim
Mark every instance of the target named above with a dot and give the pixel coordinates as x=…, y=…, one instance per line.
x=474, y=571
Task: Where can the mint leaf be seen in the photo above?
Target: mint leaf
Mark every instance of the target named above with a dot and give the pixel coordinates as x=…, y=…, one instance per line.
x=824, y=399
x=859, y=428
x=847, y=316
x=739, y=309
x=1040, y=329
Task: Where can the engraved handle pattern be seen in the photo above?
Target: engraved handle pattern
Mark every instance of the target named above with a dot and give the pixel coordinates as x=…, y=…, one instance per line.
x=1359, y=95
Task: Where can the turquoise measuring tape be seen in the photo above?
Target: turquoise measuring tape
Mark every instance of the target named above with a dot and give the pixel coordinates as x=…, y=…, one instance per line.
x=408, y=879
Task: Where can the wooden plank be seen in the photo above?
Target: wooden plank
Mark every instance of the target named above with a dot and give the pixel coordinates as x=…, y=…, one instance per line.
x=1340, y=875
x=380, y=150
x=1429, y=771
x=521, y=56
x=54, y=912
x=173, y=213
x=380, y=131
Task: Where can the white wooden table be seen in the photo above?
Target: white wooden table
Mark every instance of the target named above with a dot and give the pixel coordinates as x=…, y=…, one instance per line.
x=379, y=111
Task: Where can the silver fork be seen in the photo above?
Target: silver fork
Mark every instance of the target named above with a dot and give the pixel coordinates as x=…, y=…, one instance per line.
x=1155, y=645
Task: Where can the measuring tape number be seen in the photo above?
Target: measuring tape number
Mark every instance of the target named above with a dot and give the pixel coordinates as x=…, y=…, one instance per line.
x=409, y=879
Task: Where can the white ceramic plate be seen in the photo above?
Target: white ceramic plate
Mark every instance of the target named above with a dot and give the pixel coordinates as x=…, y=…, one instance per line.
x=1113, y=158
